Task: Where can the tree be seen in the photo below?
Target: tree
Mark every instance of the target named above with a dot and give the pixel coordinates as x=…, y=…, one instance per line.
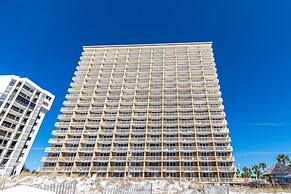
x=238, y=173
x=287, y=160
x=283, y=159
x=280, y=157
x=263, y=166
x=34, y=172
x=247, y=172
x=25, y=169
x=256, y=170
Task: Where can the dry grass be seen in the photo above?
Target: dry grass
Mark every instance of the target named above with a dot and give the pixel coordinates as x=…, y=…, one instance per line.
x=99, y=185
x=267, y=189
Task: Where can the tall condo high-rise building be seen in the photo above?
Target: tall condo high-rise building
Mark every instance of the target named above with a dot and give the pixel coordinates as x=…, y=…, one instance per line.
x=143, y=111
x=23, y=106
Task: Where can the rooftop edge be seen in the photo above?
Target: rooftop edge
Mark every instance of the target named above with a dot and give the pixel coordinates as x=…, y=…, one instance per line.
x=144, y=45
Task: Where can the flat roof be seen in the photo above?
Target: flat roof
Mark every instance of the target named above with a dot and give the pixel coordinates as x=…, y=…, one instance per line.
x=146, y=45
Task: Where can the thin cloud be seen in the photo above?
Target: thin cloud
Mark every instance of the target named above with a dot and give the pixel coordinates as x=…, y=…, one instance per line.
x=269, y=124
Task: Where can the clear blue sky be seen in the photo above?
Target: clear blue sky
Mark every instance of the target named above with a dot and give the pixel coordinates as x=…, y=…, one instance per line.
x=43, y=40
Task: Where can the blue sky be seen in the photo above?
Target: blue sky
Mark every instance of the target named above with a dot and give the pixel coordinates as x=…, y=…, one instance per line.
x=43, y=40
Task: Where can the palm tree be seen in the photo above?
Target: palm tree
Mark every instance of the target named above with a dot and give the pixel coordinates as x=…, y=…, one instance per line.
x=247, y=172
x=256, y=170
x=280, y=158
x=238, y=173
x=263, y=166
x=287, y=160
x=283, y=159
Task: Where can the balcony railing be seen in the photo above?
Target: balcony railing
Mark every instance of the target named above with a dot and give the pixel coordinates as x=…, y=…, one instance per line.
x=66, y=158
x=53, y=149
x=69, y=149
x=46, y=169
x=49, y=159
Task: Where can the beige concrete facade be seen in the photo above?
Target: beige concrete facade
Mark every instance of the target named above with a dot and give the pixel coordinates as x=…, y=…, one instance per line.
x=143, y=111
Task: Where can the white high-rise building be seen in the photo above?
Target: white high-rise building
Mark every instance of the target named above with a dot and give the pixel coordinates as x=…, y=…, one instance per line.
x=23, y=106
x=144, y=111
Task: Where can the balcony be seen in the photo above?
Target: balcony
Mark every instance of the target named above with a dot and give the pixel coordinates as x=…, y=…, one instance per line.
x=74, y=90
x=208, y=168
x=49, y=159
x=53, y=149
x=62, y=124
x=187, y=139
x=138, y=131
x=204, y=130
x=226, y=168
x=64, y=169
x=154, y=139
x=46, y=169
x=77, y=124
x=93, y=124
x=137, y=168
x=204, y=139
x=222, y=130
x=153, y=168
x=69, y=149
x=170, y=130
x=225, y=158
x=189, y=168
x=59, y=132
x=222, y=122
x=222, y=139
x=154, y=158
x=223, y=148
x=83, y=109
x=137, y=148
x=64, y=117
x=75, y=131
x=104, y=132
x=188, y=148
x=142, y=139
x=100, y=158
x=191, y=158
x=155, y=131
x=89, y=140
x=119, y=158
x=99, y=168
x=154, y=148
x=171, y=139
x=84, y=158
x=171, y=158
x=86, y=149
x=207, y=158
x=84, y=102
x=100, y=149
x=66, y=159
x=117, y=168
x=108, y=140
x=136, y=158
x=56, y=141
x=72, y=140
x=76, y=85
x=171, y=148
x=92, y=132
x=205, y=148
x=119, y=140
x=172, y=168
